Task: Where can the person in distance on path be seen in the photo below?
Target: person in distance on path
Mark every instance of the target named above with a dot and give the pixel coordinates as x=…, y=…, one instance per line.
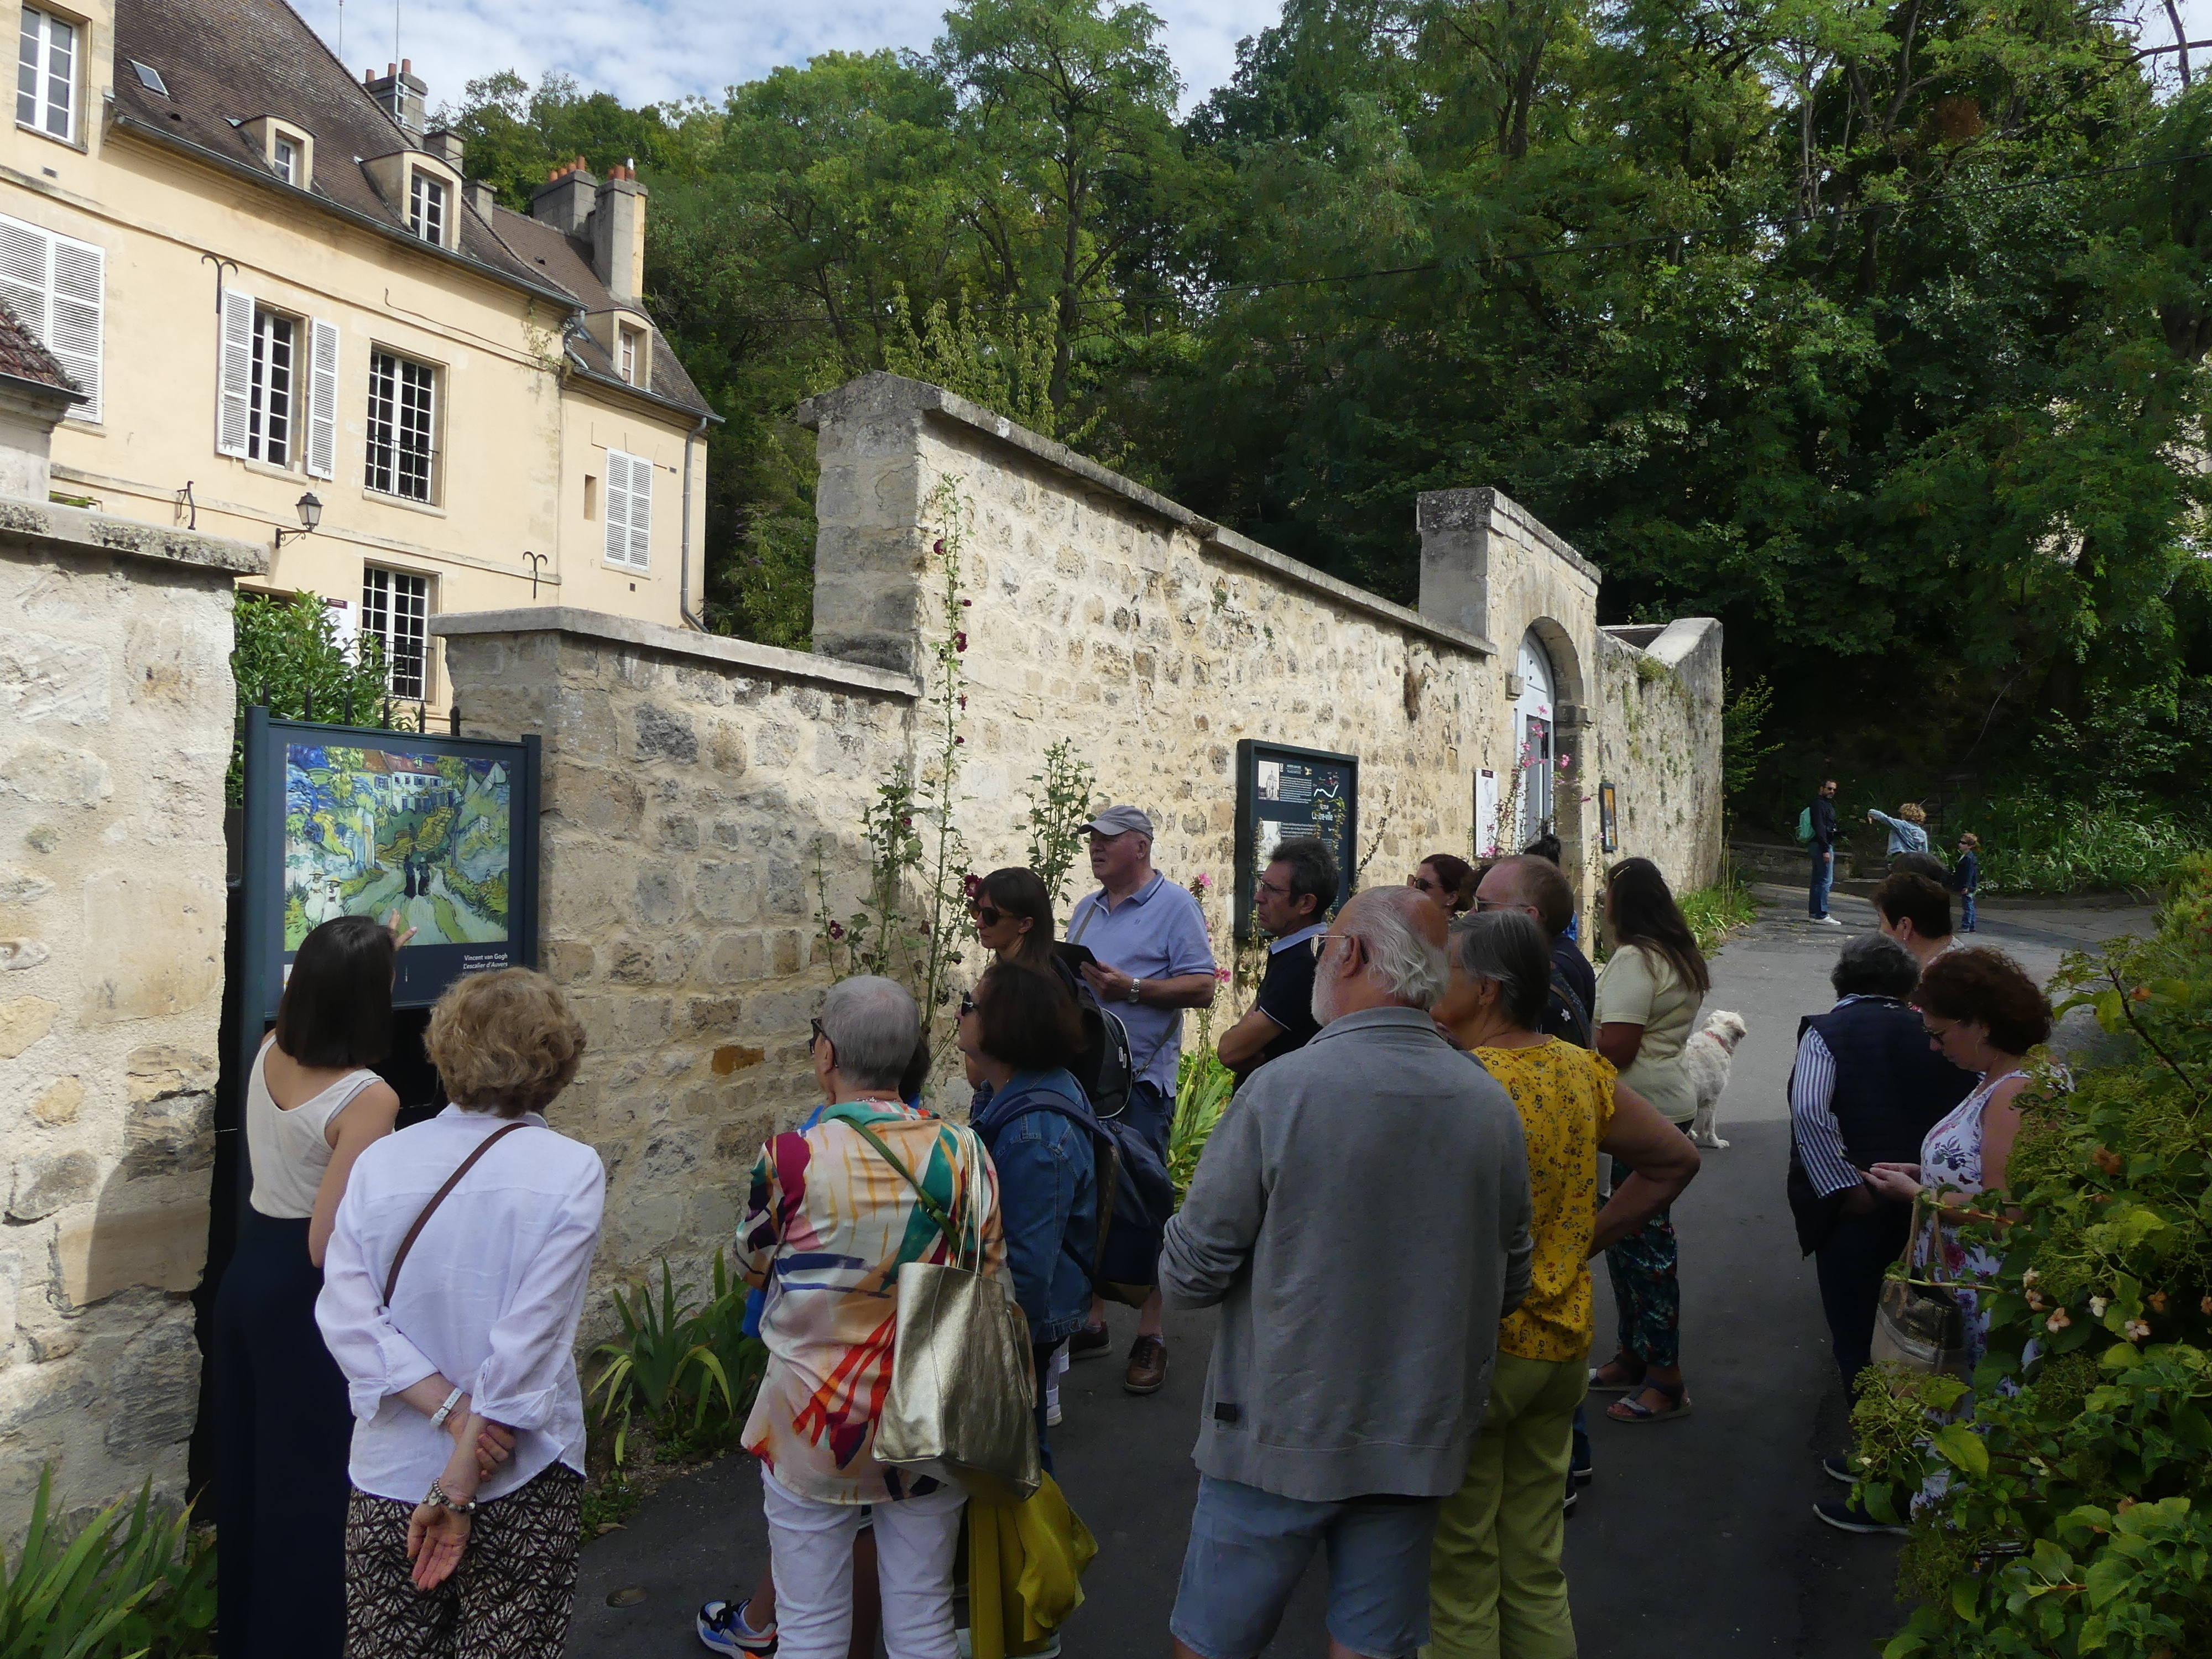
x=1361, y=1218
x=1291, y=901
x=1823, y=854
x=1151, y=961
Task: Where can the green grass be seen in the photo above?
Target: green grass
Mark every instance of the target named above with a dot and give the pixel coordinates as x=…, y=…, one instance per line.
x=1713, y=911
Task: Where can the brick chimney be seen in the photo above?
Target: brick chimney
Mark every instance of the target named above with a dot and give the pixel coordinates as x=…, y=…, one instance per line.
x=400, y=92
x=618, y=234
x=565, y=201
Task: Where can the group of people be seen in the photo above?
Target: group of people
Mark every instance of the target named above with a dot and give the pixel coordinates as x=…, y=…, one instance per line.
x=1905, y=1101
x=1402, y=1350
x=1909, y=854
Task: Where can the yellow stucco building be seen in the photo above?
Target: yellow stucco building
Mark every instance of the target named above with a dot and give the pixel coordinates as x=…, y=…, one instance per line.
x=273, y=282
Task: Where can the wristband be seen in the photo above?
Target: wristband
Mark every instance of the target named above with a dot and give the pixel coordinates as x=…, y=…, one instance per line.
x=438, y=1417
x=1135, y=985
x=438, y=1497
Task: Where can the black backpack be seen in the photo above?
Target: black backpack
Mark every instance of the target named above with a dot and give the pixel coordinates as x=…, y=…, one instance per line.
x=1104, y=1067
x=1125, y=1258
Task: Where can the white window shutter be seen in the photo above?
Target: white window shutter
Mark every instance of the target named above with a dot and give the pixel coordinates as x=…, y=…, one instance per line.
x=26, y=256
x=235, y=398
x=640, y=513
x=79, y=302
x=323, y=400
x=618, y=494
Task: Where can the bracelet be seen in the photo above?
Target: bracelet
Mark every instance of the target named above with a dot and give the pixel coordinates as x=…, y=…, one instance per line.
x=438, y=1417
x=438, y=1497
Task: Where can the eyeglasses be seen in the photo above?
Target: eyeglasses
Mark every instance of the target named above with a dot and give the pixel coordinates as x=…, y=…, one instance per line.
x=967, y=1004
x=820, y=1036
x=986, y=916
x=1267, y=886
x=1424, y=884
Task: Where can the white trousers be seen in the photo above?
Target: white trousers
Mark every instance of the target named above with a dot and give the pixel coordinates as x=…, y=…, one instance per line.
x=811, y=1545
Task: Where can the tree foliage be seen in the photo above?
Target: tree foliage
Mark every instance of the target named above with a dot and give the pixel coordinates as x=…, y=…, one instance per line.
x=1873, y=327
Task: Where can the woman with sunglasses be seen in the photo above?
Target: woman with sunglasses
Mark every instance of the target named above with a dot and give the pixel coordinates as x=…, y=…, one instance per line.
x=1448, y=882
x=1013, y=913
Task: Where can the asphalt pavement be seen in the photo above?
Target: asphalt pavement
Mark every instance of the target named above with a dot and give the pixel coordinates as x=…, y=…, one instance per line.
x=1698, y=1538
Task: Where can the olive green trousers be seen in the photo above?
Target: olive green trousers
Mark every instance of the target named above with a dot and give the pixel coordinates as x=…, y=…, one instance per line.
x=1496, y=1588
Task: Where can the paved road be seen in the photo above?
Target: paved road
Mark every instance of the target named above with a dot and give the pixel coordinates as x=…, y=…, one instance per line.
x=1698, y=1538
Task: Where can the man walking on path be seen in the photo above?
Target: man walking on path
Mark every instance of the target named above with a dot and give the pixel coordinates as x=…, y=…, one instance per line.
x=1291, y=901
x=1151, y=960
x=1361, y=1218
x=1823, y=854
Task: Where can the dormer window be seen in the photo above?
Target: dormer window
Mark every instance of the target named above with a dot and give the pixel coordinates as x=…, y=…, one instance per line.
x=284, y=158
x=627, y=358
x=426, y=208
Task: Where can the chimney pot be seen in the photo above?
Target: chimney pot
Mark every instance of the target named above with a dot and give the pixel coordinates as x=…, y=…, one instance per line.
x=407, y=66
x=566, y=200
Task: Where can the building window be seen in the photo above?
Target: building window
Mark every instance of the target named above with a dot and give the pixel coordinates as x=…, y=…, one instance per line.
x=629, y=356
x=402, y=426
x=56, y=287
x=395, y=607
x=426, y=208
x=45, y=79
x=629, y=511
x=284, y=156
x=270, y=403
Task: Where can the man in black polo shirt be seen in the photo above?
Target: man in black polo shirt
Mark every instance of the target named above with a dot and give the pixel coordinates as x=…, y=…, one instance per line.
x=1291, y=901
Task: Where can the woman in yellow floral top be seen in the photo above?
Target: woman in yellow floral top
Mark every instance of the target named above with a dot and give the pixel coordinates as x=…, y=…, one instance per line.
x=1495, y=1584
x=828, y=1224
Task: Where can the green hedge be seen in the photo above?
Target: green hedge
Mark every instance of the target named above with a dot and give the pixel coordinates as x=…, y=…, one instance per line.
x=2078, y=1515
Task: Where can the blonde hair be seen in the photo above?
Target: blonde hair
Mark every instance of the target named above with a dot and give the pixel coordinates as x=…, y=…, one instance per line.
x=1913, y=812
x=504, y=1042
x=1971, y=840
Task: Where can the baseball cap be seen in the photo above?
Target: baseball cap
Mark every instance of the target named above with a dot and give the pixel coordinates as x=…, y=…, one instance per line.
x=1119, y=820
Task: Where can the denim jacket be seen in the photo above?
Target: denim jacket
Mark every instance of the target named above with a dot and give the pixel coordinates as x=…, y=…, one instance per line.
x=1048, y=1198
x=1904, y=836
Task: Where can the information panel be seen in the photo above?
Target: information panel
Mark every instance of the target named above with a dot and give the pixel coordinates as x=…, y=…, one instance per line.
x=355, y=821
x=1283, y=793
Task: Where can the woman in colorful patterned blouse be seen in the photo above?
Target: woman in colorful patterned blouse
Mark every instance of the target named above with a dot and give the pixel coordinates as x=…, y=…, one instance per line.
x=1495, y=1583
x=828, y=1224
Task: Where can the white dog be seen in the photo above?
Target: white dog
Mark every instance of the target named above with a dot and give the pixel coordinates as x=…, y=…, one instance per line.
x=1708, y=1056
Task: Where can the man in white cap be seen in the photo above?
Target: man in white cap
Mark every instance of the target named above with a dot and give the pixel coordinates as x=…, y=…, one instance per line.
x=1152, y=960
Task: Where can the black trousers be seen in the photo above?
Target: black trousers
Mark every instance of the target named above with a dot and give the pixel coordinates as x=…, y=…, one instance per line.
x=1850, y=1267
x=282, y=1432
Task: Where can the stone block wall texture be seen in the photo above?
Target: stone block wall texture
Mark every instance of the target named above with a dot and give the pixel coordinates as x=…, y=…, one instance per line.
x=688, y=784
x=116, y=687
x=1659, y=741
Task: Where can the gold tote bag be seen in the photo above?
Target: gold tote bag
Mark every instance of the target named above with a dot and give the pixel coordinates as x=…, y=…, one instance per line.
x=1919, y=1323
x=962, y=1398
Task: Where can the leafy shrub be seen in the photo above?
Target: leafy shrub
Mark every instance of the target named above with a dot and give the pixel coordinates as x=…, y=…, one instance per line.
x=1203, y=1087
x=689, y=1371
x=1713, y=911
x=134, y=1582
x=2032, y=844
x=289, y=652
x=2075, y=1512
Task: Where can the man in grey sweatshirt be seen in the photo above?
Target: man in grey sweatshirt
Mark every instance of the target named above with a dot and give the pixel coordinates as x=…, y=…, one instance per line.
x=1361, y=1218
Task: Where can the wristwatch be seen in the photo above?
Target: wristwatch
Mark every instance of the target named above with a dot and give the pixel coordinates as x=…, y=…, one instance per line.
x=1134, y=986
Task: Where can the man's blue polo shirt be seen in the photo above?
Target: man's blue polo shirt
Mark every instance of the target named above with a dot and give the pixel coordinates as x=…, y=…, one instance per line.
x=1156, y=933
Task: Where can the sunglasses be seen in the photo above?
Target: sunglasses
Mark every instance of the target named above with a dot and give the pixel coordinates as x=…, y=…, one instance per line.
x=1424, y=884
x=967, y=1004
x=985, y=915
x=820, y=1036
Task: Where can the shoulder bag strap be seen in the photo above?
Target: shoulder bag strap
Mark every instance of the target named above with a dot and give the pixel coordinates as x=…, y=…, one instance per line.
x=400, y=1261
x=930, y=1207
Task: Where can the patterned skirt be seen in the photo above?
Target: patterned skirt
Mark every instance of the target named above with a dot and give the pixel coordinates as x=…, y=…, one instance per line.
x=509, y=1598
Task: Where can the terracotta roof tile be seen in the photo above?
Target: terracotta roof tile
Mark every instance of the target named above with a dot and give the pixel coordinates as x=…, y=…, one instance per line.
x=22, y=358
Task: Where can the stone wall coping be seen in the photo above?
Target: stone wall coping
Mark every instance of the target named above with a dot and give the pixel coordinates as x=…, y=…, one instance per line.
x=1681, y=637
x=47, y=526
x=1459, y=509
x=876, y=394
x=768, y=659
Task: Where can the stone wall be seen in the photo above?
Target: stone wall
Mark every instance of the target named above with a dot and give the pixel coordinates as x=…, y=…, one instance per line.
x=1659, y=742
x=689, y=783
x=116, y=687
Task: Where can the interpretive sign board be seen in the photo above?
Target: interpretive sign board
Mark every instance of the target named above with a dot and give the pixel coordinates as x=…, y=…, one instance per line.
x=1283, y=793
x=1608, y=820
x=344, y=820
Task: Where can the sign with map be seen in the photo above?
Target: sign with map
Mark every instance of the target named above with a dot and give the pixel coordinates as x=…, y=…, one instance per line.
x=347, y=821
x=1284, y=793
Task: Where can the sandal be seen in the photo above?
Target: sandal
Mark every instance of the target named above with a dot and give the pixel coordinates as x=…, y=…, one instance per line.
x=1628, y=1409
x=1632, y=1379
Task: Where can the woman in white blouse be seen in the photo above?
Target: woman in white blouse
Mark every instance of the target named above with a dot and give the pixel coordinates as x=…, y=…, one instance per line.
x=280, y=1423
x=451, y=1307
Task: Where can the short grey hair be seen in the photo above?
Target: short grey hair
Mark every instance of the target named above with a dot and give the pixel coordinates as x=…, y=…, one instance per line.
x=1508, y=948
x=1874, y=965
x=1413, y=970
x=873, y=1024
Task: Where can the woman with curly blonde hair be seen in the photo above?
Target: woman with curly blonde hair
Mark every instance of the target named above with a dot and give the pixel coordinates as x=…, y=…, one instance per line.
x=1908, y=830
x=452, y=1293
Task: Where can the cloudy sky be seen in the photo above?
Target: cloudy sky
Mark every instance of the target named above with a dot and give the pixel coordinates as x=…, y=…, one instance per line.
x=651, y=50
x=654, y=49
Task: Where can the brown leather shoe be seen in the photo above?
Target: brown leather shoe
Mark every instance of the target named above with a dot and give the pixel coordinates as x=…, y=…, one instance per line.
x=1148, y=1365
x=1090, y=1343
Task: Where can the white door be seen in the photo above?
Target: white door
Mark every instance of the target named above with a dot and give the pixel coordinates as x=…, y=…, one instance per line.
x=1532, y=738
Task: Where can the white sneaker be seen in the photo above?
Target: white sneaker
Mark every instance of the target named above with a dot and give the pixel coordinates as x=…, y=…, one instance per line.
x=1825, y=921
